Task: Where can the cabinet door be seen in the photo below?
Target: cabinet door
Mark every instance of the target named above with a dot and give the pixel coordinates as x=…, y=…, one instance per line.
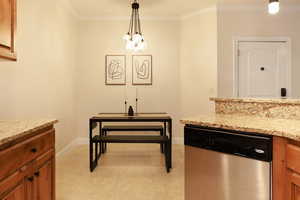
x=7, y=29
x=18, y=193
x=293, y=186
x=30, y=188
x=45, y=182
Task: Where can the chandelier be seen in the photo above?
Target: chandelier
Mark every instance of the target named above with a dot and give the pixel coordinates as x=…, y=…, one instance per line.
x=134, y=38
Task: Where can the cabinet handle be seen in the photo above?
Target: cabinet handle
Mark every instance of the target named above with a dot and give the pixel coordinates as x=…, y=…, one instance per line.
x=37, y=174
x=31, y=178
x=33, y=150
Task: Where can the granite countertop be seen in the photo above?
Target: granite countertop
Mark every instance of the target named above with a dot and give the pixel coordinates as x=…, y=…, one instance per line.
x=12, y=130
x=278, y=127
x=258, y=100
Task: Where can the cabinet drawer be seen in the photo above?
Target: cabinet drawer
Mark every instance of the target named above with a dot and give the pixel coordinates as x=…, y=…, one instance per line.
x=16, y=156
x=293, y=157
x=12, y=181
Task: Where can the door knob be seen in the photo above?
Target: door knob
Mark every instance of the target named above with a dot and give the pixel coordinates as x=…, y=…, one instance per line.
x=37, y=174
x=262, y=69
x=283, y=92
x=33, y=150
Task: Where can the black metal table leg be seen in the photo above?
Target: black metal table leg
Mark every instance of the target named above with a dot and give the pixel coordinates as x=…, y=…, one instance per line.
x=170, y=143
x=91, y=145
x=167, y=156
x=101, y=134
x=162, y=144
x=96, y=153
x=105, y=143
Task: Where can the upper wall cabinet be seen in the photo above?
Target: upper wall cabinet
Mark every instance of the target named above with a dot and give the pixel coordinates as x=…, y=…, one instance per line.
x=8, y=29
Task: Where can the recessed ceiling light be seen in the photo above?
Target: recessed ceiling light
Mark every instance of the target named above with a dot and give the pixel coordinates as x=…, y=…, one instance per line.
x=274, y=7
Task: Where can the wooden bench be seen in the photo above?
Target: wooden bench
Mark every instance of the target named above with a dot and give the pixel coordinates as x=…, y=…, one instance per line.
x=162, y=139
x=123, y=128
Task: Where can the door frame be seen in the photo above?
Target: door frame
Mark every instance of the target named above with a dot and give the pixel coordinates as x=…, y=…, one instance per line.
x=237, y=40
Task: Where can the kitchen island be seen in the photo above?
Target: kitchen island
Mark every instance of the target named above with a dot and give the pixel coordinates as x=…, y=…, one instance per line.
x=279, y=118
x=27, y=159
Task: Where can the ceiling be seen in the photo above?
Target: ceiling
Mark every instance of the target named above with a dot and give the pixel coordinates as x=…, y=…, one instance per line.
x=149, y=8
x=157, y=8
x=258, y=2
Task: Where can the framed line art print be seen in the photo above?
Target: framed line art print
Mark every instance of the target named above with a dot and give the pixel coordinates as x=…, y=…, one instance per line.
x=142, y=70
x=115, y=70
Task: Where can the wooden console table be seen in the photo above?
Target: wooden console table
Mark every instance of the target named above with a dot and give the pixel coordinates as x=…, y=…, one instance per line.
x=143, y=118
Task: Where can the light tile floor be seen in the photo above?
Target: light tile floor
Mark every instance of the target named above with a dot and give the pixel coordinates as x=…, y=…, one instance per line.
x=126, y=171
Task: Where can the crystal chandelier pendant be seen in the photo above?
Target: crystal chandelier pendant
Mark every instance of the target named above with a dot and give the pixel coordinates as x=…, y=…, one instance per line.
x=134, y=38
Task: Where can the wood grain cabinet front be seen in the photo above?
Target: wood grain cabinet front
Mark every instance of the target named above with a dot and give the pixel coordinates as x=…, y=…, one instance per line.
x=34, y=178
x=293, y=186
x=286, y=169
x=17, y=193
x=8, y=16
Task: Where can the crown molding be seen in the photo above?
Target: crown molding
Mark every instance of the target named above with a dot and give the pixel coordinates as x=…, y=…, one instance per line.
x=152, y=18
x=199, y=12
x=219, y=7
x=70, y=8
x=126, y=18
x=256, y=8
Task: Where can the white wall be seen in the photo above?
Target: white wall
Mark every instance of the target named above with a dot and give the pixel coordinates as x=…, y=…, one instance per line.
x=60, y=68
x=250, y=21
x=102, y=37
x=198, y=62
x=41, y=83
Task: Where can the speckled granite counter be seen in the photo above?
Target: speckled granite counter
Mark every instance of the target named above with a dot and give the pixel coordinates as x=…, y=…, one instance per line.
x=270, y=108
x=288, y=128
x=12, y=130
x=257, y=100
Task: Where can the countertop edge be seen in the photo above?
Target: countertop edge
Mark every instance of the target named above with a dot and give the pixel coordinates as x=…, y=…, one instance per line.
x=21, y=134
x=257, y=100
x=238, y=128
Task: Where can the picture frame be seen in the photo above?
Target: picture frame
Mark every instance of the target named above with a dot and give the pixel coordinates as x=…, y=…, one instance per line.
x=142, y=70
x=115, y=70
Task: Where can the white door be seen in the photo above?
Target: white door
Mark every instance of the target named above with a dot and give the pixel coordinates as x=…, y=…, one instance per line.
x=262, y=69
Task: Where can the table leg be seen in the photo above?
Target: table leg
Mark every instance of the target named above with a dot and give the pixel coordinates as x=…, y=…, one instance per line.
x=165, y=133
x=91, y=146
x=101, y=134
x=170, y=153
x=162, y=144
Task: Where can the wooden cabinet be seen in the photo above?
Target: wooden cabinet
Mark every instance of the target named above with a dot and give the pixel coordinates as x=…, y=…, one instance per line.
x=293, y=186
x=17, y=193
x=44, y=182
x=286, y=169
x=30, y=176
x=8, y=20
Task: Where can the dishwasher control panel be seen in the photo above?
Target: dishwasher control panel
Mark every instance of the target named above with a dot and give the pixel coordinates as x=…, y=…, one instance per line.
x=249, y=145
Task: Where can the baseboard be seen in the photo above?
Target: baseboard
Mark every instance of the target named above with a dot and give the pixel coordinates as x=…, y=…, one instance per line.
x=82, y=140
x=66, y=148
x=178, y=140
x=85, y=141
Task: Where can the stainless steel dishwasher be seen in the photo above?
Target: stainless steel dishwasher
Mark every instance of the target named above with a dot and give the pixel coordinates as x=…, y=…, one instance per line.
x=227, y=165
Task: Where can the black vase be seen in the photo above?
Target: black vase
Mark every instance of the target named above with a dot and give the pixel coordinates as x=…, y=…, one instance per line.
x=130, y=111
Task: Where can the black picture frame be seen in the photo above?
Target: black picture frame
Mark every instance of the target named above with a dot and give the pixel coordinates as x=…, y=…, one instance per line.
x=147, y=76
x=121, y=74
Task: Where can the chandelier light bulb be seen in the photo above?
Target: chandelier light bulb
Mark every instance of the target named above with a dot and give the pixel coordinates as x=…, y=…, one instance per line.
x=137, y=38
x=130, y=45
x=126, y=37
x=274, y=7
x=144, y=45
